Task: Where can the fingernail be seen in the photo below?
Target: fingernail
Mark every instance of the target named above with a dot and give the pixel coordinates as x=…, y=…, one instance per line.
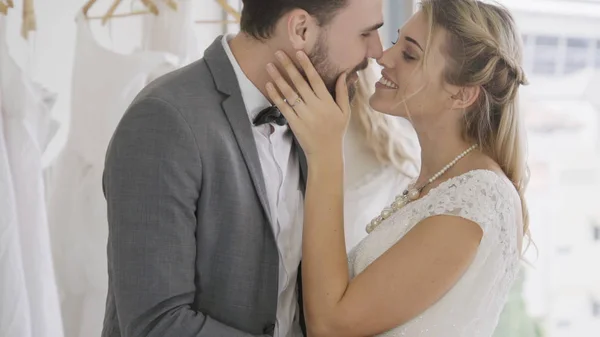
x=279, y=55
x=300, y=54
x=271, y=68
x=270, y=86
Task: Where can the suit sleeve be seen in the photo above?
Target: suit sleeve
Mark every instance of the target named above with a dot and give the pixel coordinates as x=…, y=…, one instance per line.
x=152, y=181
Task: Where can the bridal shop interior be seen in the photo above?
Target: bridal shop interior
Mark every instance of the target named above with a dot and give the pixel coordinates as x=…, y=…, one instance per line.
x=70, y=68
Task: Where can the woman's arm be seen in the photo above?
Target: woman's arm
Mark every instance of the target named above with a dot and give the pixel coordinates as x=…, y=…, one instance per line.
x=323, y=245
x=406, y=280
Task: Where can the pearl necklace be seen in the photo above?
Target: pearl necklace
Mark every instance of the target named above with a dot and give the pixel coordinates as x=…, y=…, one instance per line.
x=412, y=194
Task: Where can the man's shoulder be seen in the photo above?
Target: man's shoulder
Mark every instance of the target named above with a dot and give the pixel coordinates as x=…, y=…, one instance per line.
x=183, y=99
x=183, y=88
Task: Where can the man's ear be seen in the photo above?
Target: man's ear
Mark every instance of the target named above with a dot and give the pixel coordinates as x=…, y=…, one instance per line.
x=301, y=28
x=465, y=97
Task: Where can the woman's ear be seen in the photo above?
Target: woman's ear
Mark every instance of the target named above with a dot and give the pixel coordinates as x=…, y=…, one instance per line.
x=465, y=97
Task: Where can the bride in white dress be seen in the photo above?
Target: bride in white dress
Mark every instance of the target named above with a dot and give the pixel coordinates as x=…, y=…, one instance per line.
x=441, y=259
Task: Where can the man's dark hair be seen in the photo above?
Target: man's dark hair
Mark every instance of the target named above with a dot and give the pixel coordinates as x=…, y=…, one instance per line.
x=259, y=17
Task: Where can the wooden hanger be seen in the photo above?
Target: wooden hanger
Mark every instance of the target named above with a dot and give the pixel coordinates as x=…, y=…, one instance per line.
x=29, y=23
x=3, y=8
x=172, y=4
x=5, y=5
x=87, y=6
x=110, y=14
x=151, y=6
x=111, y=11
x=230, y=10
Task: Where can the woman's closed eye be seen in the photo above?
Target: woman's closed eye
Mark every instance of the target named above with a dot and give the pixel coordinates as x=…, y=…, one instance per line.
x=407, y=56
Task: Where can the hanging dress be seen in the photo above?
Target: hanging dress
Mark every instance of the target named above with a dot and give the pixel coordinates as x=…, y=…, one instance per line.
x=172, y=31
x=28, y=297
x=104, y=83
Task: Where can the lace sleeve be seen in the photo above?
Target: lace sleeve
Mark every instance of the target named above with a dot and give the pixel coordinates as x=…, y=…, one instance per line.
x=480, y=196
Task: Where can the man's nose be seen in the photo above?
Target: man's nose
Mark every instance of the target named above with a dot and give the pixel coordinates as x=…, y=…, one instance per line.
x=375, y=47
x=386, y=60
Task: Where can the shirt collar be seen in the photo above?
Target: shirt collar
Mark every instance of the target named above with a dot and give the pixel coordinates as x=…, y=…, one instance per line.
x=254, y=100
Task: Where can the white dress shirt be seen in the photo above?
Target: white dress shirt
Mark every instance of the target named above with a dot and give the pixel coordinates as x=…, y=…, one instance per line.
x=281, y=171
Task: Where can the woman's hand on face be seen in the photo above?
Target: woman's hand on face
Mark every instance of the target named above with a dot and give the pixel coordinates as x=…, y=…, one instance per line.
x=317, y=120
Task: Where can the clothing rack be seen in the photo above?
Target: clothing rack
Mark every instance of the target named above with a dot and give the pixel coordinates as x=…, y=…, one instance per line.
x=151, y=8
x=229, y=10
x=5, y=5
x=29, y=23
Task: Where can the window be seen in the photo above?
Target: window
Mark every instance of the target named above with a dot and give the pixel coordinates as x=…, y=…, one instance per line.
x=528, y=46
x=577, y=54
x=595, y=308
x=596, y=230
x=545, y=55
x=598, y=54
x=397, y=12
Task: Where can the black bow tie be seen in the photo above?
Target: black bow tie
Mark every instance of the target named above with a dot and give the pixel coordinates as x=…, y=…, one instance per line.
x=270, y=115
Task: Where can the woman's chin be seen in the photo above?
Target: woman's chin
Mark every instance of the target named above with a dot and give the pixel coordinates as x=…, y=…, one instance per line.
x=382, y=104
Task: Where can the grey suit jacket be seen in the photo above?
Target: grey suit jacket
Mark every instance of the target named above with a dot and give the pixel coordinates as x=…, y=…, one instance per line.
x=191, y=251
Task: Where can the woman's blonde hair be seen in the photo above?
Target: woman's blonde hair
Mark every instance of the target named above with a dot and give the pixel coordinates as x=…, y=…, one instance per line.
x=391, y=141
x=484, y=50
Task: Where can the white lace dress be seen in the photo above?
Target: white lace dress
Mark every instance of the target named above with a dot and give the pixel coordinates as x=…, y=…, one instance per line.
x=472, y=307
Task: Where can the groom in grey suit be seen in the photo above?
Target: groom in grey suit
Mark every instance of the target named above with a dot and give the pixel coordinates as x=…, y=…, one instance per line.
x=204, y=182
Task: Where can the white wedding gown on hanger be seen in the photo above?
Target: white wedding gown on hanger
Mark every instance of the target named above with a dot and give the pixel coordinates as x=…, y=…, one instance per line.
x=473, y=306
x=15, y=317
x=29, y=304
x=173, y=32
x=104, y=84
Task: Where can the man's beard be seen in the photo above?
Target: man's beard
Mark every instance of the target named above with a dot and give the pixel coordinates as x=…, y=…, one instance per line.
x=329, y=72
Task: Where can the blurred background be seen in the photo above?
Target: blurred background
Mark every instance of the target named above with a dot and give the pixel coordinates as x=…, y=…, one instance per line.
x=74, y=75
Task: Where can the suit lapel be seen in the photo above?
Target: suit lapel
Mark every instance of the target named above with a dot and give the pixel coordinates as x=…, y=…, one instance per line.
x=235, y=110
